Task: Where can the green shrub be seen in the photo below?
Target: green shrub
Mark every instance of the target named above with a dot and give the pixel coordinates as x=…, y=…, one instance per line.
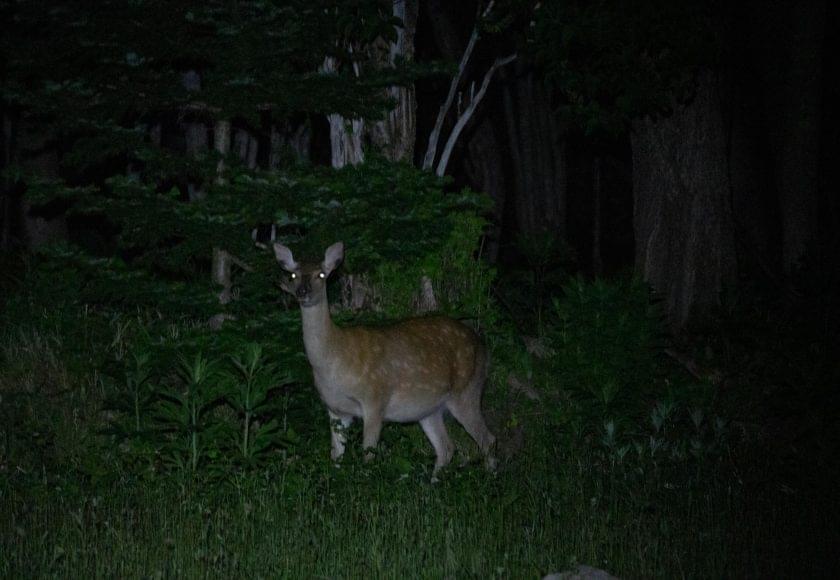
x=200, y=413
x=613, y=388
x=397, y=224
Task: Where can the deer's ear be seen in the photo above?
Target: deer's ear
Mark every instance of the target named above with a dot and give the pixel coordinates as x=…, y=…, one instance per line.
x=333, y=257
x=284, y=256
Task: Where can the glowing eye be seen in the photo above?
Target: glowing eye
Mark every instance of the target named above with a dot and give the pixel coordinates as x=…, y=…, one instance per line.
x=293, y=276
x=321, y=275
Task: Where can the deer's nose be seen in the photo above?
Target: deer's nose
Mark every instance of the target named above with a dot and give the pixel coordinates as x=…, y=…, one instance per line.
x=302, y=290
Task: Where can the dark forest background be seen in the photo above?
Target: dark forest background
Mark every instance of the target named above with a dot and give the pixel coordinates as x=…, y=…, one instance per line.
x=634, y=203
x=691, y=144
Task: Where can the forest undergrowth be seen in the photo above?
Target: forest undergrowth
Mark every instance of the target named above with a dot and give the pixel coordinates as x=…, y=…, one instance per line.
x=136, y=444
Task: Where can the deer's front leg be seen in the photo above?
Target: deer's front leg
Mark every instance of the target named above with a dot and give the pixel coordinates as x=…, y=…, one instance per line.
x=338, y=429
x=372, y=428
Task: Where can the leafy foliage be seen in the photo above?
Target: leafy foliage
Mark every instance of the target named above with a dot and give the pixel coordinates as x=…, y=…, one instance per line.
x=608, y=339
x=597, y=375
x=115, y=60
x=164, y=243
x=541, y=274
x=125, y=72
x=611, y=62
x=198, y=415
x=72, y=495
x=248, y=393
x=623, y=455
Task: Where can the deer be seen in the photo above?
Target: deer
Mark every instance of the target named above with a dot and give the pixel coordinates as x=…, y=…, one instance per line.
x=414, y=370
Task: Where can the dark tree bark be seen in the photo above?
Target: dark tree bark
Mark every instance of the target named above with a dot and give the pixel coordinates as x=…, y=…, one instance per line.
x=685, y=246
x=156, y=134
x=754, y=200
x=6, y=193
x=37, y=155
x=246, y=147
x=484, y=168
x=221, y=143
x=197, y=140
x=794, y=41
x=345, y=134
x=196, y=135
x=289, y=139
x=597, y=264
x=538, y=151
x=396, y=133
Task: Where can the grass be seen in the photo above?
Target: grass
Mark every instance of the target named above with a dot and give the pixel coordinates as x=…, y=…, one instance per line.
x=72, y=505
x=356, y=521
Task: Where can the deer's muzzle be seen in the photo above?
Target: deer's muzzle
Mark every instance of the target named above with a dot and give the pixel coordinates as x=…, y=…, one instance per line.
x=303, y=291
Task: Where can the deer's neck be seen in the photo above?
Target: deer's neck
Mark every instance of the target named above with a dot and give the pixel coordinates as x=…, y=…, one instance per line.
x=319, y=334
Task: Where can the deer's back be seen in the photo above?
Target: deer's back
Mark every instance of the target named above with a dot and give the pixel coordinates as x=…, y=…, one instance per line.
x=415, y=361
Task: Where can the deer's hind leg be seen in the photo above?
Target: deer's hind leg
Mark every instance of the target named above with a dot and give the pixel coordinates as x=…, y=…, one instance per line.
x=466, y=408
x=435, y=429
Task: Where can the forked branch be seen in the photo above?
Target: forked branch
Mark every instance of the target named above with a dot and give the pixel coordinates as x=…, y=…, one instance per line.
x=434, y=136
x=464, y=117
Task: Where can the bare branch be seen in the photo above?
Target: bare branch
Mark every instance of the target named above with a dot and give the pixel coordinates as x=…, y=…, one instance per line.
x=468, y=112
x=434, y=136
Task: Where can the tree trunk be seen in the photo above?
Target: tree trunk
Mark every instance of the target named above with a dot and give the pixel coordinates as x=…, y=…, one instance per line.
x=345, y=141
x=755, y=206
x=793, y=100
x=221, y=143
x=6, y=201
x=345, y=136
x=484, y=165
x=276, y=144
x=156, y=134
x=597, y=264
x=246, y=147
x=396, y=134
x=38, y=156
x=253, y=151
x=289, y=139
x=197, y=143
x=683, y=225
x=538, y=152
x=196, y=137
x=221, y=272
x=356, y=292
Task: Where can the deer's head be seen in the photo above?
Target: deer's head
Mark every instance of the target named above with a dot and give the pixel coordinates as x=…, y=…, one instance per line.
x=308, y=282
